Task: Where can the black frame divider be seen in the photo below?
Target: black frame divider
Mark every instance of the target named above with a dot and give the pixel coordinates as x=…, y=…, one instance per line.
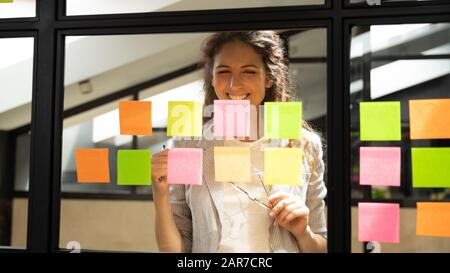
x=50, y=27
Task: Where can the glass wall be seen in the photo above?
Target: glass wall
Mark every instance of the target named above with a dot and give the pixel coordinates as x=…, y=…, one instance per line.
x=16, y=78
x=122, y=217
x=87, y=7
x=391, y=67
x=17, y=9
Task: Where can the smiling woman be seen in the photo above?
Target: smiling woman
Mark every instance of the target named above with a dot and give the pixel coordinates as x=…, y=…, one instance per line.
x=215, y=217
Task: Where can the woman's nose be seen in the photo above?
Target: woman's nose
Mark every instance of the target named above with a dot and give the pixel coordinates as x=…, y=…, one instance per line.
x=235, y=82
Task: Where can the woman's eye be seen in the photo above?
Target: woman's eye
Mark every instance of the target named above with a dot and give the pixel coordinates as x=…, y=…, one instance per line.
x=223, y=72
x=249, y=72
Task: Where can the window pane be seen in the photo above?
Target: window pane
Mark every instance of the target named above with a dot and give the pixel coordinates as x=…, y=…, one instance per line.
x=17, y=8
x=16, y=78
x=381, y=2
x=388, y=42
x=88, y=7
x=158, y=68
x=308, y=43
x=411, y=62
x=96, y=128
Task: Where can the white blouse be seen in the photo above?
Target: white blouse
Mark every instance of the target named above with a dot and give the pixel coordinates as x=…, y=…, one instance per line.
x=246, y=223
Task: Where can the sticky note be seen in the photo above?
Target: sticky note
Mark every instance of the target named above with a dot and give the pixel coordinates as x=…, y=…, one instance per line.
x=378, y=222
x=379, y=166
x=232, y=164
x=283, y=120
x=232, y=118
x=92, y=165
x=185, y=166
x=433, y=219
x=185, y=118
x=429, y=119
x=135, y=118
x=431, y=167
x=282, y=166
x=134, y=167
x=380, y=121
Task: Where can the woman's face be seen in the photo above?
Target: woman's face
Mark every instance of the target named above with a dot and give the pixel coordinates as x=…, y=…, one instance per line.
x=239, y=74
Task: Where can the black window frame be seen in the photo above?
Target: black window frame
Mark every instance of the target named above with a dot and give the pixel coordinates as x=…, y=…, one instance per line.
x=51, y=25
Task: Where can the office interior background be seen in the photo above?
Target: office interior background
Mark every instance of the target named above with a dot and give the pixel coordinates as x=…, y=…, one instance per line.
x=65, y=65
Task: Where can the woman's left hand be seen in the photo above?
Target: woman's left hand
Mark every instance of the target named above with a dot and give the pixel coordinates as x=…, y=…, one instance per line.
x=290, y=212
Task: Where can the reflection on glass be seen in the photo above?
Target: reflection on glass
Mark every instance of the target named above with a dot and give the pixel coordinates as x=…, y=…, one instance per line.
x=17, y=8
x=16, y=78
x=90, y=7
x=398, y=63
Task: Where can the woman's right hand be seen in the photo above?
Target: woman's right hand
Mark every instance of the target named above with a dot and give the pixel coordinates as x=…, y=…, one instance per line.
x=159, y=174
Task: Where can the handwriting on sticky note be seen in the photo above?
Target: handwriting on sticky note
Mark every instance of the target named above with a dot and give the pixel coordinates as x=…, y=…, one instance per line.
x=92, y=165
x=429, y=119
x=135, y=118
x=379, y=222
x=430, y=167
x=232, y=164
x=380, y=166
x=185, y=166
x=433, y=219
x=282, y=166
x=380, y=121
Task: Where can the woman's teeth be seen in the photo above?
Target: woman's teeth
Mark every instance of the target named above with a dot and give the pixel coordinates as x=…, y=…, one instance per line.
x=240, y=97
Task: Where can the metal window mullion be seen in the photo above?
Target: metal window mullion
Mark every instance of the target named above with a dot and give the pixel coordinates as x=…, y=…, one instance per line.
x=45, y=97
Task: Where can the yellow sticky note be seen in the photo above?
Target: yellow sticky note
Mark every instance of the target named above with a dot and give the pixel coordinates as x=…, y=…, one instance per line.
x=185, y=119
x=282, y=166
x=232, y=164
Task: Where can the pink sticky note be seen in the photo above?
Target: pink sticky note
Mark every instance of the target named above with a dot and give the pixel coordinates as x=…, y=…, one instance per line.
x=232, y=118
x=379, y=222
x=379, y=166
x=185, y=166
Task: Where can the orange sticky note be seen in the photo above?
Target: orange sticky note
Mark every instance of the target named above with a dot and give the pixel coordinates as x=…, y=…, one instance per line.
x=92, y=165
x=135, y=118
x=429, y=119
x=433, y=219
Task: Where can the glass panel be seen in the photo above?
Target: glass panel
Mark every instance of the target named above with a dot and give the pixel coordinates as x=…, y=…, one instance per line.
x=410, y=62
x=17, y=8
x=123, y=218
x=381, y=2
x=308, y=43
x=16, y=78
x=97, y=128
x=387, y=42
x=88, y=7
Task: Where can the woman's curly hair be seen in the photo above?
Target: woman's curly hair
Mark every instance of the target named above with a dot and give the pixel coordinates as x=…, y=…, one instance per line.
x=270, y=47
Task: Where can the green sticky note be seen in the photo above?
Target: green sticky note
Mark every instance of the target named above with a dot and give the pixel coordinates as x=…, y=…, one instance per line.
x=134, y=167
x=185, y=119
x=283, y=120
x=431, y=167
x=380, y=121
x=6, y=1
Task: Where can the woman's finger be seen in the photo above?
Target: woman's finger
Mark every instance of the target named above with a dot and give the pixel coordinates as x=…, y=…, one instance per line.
x=276, y=197
x=298, y=212
x=285, y=211
x=280, y=206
